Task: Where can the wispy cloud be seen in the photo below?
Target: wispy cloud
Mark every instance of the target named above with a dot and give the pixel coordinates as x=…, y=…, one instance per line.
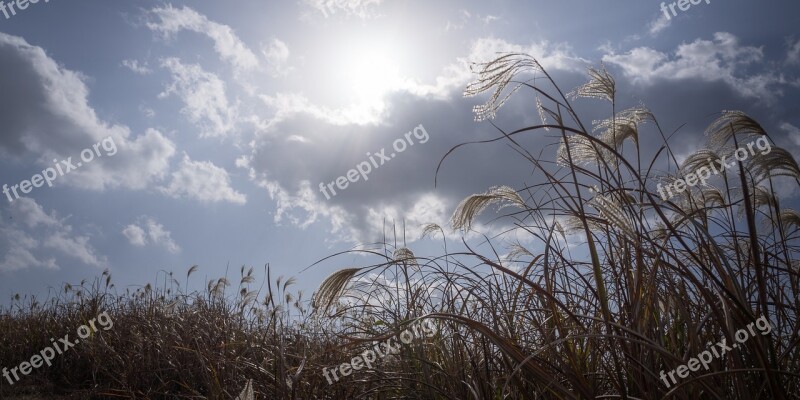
x=203, y=96
x=170, y=20
x=135, y=66
x=358, y=8
x=148, y=231
x=202, y=181
x=50, y=98
x=34, y=238
x=721, y=59
x=276, y=53
x=793, y=55
x=792, y=131
x=659, y=24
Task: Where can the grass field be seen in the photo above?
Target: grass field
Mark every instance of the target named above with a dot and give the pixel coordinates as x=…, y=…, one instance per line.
x=623, y=285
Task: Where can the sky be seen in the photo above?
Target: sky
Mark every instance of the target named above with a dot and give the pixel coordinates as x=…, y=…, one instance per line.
x=223, y=133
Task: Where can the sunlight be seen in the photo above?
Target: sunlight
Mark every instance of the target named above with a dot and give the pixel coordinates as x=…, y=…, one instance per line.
x=365, y=69
x=374, y=74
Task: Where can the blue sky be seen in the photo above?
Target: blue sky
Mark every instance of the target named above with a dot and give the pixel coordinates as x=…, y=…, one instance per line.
x=226, y=117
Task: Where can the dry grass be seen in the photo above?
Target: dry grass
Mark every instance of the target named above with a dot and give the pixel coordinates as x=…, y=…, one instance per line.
x=614, y=286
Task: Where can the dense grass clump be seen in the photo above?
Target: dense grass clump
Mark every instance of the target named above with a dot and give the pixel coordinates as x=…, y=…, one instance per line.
x=609, y=286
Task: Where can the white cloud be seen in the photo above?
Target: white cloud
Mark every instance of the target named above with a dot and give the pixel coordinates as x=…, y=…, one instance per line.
x=455, y=76
x=793, y=131
x=793, y=55
x=137, y=165
x=135, y=234
x=659, y=24
x=287, y=105
x=303, y=207
x=304, y=199
x=204, y=98
x=284, y=106
x=147, y=111
x=429, y=208
x=75, y=246
x=202, y=181
x=297, y=138
x=133, y=65
x=359, y=8
x=277, y=55
x=27, y=221
x=32, y=214
x=720, y=59
x=464, y=19
x=226, y=43
x=20, y=254
x=148, y=231
x=51, y=98
x=550, y=56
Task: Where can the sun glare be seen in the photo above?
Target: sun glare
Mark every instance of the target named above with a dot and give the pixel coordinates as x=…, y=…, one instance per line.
x=367, y=69
x=373, y=74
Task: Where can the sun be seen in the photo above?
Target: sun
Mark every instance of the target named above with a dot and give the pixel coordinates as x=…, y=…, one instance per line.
x=373, y=74
x=366, y=69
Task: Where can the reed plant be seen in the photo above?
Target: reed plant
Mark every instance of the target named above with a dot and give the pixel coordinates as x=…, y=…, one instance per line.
x=610, y=285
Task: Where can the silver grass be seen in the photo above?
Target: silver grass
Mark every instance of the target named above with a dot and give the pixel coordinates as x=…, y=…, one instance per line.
x=631, y=116
x=473, y=205
x=660, y=232
x=700, y=200
x=542, y=114
x=789, y=218
x=405, y=257
x=498, y=74
x=560, y=229
x=763, y=197
x=601, y=85
x=289, y=282
x=731, y=123
x=332, y=288
x=248, y=297
x=219, y=288
x=582, y=150
x=574, y=224
x=777, y=162
x=545, y=112
x=430, y=229
x=247, y=393
x=678, y=221
x=612, y=209
x=585, y=152
x=615, y=137
x=624, y=126
x=698, y=159
x=517, y=250
x=711, y=197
